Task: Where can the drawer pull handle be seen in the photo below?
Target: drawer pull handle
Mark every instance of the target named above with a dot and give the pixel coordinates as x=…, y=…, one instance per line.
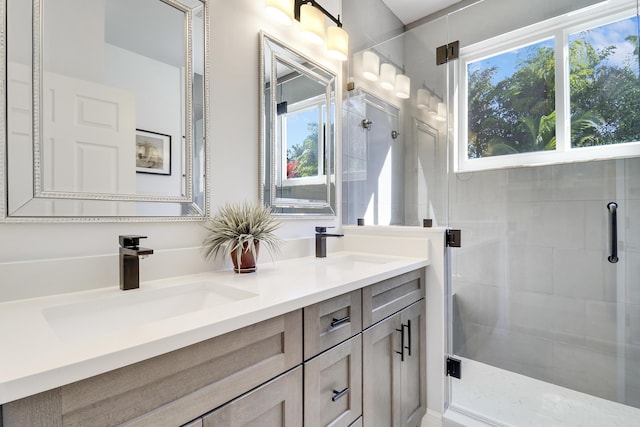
x=338, y=394
x=337, y=322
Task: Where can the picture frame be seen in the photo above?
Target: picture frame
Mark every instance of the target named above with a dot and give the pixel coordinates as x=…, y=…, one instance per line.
x=153, y=152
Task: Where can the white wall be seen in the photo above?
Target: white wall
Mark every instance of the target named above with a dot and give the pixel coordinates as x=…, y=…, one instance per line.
x=64, y=36
x=85, y=254
x=146, y=78
x=368, y=23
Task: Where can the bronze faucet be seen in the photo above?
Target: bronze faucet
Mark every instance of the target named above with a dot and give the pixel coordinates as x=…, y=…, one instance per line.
x=321, y=241
x=130, y=254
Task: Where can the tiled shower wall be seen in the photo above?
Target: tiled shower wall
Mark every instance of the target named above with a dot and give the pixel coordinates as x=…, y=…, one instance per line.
x=533, y=291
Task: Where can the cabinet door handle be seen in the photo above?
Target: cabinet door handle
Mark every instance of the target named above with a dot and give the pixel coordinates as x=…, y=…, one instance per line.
x=338, y=394
x=402, y=346
x=337, y=322
x=409, y=335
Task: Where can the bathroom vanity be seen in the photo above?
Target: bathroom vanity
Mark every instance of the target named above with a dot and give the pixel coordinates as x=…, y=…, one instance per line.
x=337, y=341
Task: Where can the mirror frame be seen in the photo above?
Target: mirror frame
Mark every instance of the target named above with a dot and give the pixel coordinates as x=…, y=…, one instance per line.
x=201, y=212
x=293, y=208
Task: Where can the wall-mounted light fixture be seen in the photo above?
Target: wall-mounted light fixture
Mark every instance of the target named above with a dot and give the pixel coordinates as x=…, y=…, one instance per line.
x=433, y=105
x=442, y=112
x=337, y=43
x=386, y=73
x=370, y=66
x=403, y=86
x=311, y=23
x=387, y=76
x=426, y=99
x=311, y=15
x=280, y=10
x=422, y=98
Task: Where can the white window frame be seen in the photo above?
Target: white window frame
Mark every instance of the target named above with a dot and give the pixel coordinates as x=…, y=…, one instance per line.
x=559, y=29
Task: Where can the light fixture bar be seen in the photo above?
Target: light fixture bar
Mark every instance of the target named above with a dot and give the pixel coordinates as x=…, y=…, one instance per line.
x=385, y=57
x=315, y=4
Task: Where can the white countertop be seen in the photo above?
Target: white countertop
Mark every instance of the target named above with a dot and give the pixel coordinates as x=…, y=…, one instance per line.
x=36, y=356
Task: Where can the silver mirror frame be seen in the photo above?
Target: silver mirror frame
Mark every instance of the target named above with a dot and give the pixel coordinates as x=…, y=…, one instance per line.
x=200, y=212
x=293, y=208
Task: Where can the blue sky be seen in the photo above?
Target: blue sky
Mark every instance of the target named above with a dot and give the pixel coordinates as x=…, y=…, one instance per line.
x=298, y=126
x=505, y=63
x=611, y=34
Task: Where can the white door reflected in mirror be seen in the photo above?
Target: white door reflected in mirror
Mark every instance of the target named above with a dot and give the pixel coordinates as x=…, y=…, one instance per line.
x=81, y=103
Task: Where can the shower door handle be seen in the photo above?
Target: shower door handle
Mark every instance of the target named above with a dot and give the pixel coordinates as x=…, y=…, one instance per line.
x=613, y=232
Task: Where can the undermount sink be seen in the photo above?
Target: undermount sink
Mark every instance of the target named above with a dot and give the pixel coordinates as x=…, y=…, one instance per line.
x=107, y=316
x=351, y=260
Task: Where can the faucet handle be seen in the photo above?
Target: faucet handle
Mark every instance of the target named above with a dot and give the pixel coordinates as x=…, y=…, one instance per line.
x=130, y=241
x=322, y=229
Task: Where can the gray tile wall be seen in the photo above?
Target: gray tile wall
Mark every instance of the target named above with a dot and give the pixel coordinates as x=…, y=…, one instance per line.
x=533, y=290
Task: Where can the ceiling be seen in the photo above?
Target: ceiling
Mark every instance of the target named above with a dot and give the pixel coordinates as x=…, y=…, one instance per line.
x=411, y=10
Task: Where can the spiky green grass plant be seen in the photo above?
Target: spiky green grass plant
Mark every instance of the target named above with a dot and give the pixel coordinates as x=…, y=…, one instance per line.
x=238, y=223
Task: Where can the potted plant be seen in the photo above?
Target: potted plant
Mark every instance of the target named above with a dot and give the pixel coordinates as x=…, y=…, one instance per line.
x=238, y=230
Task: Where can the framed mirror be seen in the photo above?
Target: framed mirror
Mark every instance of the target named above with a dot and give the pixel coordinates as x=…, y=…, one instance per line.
x=106, y=105
x=297, y=100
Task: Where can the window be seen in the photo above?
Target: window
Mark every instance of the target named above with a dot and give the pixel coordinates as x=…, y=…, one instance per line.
x=604, y=85
x=565, y=90
x=303, y=139
x=511, y=101
x=302, y=143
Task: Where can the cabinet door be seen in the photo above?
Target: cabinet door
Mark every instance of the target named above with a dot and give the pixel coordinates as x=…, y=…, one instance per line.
x=275, y=404
x=413, y=368
x=381, y=373
x=331, y=322
x=333, y=386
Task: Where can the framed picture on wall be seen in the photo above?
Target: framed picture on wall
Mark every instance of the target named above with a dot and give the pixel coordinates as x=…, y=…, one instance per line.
x=153, y=152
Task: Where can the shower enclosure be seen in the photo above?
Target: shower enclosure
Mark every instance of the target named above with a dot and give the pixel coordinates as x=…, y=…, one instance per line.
x=536, y=159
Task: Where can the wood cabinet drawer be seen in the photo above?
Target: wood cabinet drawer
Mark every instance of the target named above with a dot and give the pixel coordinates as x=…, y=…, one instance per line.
x=331, y=322
x=333, y=386
x=275, y=404
x=174, y=388
x=385, y=298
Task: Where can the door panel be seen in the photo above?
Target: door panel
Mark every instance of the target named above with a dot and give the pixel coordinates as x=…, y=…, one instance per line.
x=381, y=374
x=88, y=137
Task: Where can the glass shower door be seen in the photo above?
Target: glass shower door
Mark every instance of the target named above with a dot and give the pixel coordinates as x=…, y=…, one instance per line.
x=535, y=298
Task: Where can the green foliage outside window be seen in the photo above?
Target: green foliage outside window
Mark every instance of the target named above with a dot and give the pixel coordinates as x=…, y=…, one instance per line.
x=605, y=97
x=515, y=112
x=302, y=159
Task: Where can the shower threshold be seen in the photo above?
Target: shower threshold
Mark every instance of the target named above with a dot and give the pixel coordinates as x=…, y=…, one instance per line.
x=496, y=397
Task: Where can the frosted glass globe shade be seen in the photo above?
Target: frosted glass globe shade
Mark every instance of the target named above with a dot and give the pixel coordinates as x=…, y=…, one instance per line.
x=403, y=86
x=388, y=76
x=337, y=43
x=312, y=24
x=422, y=99
x=370, y=66
x=280, y=10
